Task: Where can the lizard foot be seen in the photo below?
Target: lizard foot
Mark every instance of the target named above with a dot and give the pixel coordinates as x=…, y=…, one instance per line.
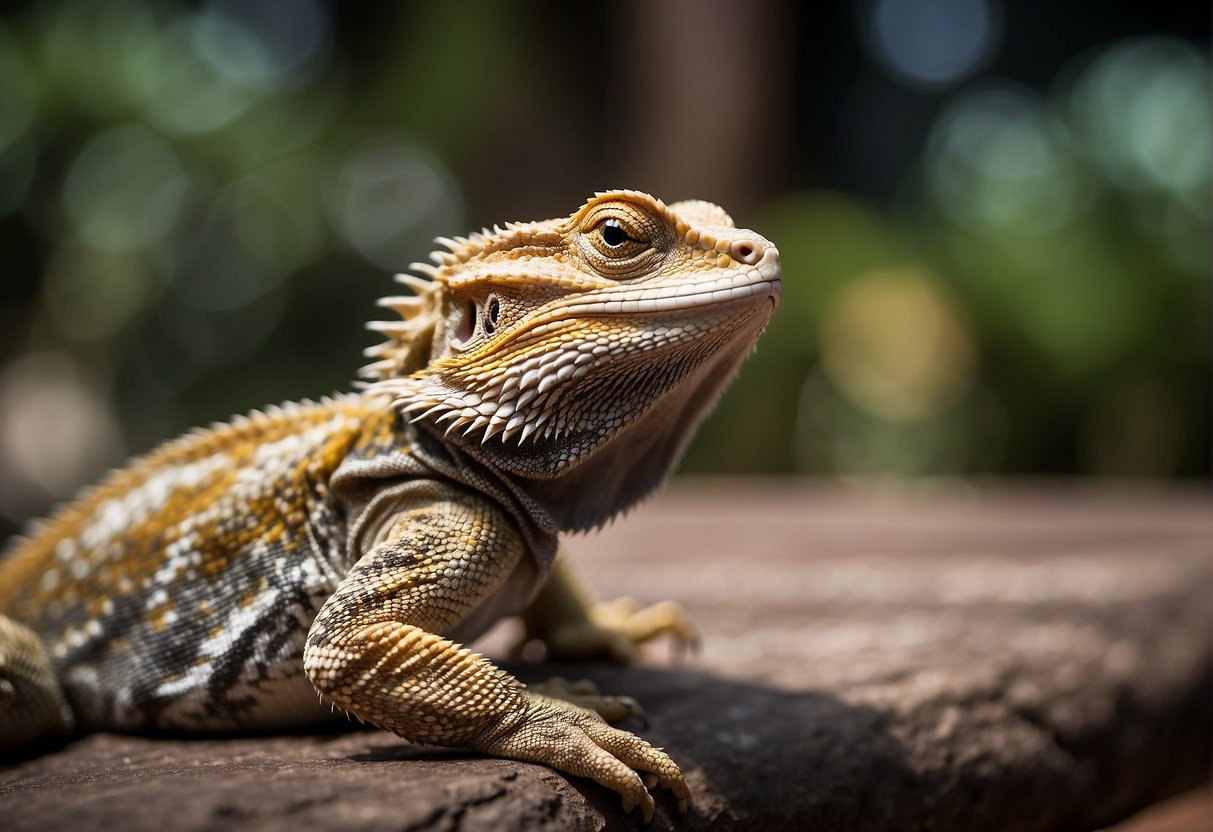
x=578, y=741
x=32, y=705
x=614, y=629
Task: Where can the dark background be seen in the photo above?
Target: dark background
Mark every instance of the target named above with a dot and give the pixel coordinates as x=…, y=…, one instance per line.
x=994, y=216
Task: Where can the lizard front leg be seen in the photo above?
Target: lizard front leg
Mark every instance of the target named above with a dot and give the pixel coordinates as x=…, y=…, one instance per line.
x=573, y=624
x=376, y=650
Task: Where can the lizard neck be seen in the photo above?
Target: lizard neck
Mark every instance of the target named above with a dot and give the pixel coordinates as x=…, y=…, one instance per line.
x=614, y=463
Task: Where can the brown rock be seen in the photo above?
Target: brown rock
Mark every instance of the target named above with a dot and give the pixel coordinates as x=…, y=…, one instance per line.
x=1014, y=661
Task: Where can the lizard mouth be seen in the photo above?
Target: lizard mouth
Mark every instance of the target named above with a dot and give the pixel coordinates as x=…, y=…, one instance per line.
x=736, y=286
x=676, y=298
x=762, y=279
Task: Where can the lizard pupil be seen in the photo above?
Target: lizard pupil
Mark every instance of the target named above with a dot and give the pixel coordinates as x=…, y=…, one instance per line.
x=613, y=234
x=492, y=314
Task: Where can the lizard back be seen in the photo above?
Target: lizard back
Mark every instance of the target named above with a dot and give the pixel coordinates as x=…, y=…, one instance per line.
x=210, y=556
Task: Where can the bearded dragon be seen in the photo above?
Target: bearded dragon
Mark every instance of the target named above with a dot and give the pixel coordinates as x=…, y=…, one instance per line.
x=541, y=378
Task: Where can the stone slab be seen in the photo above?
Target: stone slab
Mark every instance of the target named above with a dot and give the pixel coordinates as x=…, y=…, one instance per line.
x=948, y=658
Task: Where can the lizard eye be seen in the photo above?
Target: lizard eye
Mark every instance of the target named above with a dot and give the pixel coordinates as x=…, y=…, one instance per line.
x=621, y=239
x=618, y=240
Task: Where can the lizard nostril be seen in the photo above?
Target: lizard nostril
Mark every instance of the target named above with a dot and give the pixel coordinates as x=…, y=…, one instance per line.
x=746, y=251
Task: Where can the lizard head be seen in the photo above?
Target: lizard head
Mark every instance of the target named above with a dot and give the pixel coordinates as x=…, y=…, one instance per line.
x=583, y=348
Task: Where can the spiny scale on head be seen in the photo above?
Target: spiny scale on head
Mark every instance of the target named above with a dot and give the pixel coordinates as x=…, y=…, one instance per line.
x=410, y=338
x=408, y=346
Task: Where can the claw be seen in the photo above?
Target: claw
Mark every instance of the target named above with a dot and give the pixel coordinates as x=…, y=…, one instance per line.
x=680, y=648
x=646, y=805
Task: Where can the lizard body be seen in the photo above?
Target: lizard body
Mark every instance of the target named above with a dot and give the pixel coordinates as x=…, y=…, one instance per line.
x=542, y=377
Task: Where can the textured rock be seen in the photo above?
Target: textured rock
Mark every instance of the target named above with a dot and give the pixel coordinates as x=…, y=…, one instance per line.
x=945, y=660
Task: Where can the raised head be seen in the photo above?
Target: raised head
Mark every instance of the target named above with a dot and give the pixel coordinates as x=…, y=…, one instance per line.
x=584, y=348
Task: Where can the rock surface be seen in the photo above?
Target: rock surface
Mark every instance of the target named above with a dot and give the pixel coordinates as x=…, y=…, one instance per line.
x=1013, y=660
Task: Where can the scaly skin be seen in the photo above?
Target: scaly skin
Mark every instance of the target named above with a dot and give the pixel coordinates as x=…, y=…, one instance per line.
x=543, y=378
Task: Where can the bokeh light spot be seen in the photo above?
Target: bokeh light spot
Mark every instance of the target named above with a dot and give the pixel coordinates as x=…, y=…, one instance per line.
x=997, y=161
x=57, y=431
x=897, y=346
x=391, y=197
x=262, y=45
x=932, y=43
x=1142, y=109
x=93, y=294
x=124, y=190
x=179, y=91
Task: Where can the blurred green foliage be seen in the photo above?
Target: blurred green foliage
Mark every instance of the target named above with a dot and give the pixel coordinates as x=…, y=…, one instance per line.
x=200, y=203
x=1038, y=304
